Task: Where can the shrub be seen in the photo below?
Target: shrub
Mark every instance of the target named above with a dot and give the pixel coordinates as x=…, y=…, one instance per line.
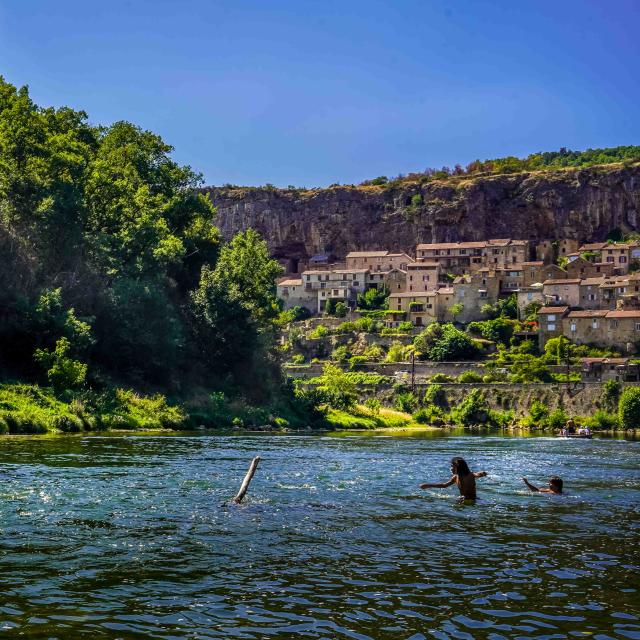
x=356, y=362
x=473, y=410
x=441, y=378
x=603, y=421
x=319, y=332
x=435, y=395
x=431, y=415
x=445, y=342
x=341, y=310
x=396, y=352
x=373, y=404
x=611, y=394
x=373, y=299
x=63, y=372
x=405, y=327
x=373, y=352
x=341, y=354
x=629, y=408
x=338, y=388
x=298, y=358
x=406, y=402
x=470, y=376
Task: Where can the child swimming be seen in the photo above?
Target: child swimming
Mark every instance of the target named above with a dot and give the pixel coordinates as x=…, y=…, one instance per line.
x=555, y=485
x=463, y=477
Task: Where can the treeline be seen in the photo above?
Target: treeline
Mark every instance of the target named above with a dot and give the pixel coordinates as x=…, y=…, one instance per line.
x=510, y=164
x=113, y=272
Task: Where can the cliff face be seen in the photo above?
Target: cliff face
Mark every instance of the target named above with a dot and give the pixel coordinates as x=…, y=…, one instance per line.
x=575, y=203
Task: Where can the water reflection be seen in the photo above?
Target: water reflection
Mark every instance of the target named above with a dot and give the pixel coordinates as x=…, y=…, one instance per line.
x=132, y=537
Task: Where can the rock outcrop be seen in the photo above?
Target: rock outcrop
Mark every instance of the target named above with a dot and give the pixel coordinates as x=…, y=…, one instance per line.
x=578, y=203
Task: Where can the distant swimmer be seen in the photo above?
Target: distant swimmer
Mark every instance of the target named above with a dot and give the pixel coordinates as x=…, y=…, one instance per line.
x=555, y=485
x=463, y=477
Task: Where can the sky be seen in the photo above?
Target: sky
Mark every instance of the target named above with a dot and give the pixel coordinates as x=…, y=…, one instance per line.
x=310, y=93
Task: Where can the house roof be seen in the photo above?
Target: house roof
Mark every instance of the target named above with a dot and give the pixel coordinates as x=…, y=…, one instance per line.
x=398, y=255
x=563, y=281
x=422, y=264
x=289, y=283
x=605, y=360
x=452, y=245
x=367, y=254
x=628, y=313
x=546, y=310
x=533, y=263
x=349, y=271
x=446, y=290
x=413, y=294
x=592, y=313
x=593, y=246
x=592, y=281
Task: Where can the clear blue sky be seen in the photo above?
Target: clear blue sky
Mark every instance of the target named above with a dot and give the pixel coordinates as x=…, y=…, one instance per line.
x=313, y=92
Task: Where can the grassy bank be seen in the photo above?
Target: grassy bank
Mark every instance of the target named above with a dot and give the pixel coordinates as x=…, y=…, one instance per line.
x=28, y=408
x=360, y=417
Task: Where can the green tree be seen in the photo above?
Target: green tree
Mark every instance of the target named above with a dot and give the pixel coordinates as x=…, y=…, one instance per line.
x=338, y=388
x=63, y=372
x=444, y=342
x=373, y=299
x=247, y=271
x=629, y=408
x=456, y=309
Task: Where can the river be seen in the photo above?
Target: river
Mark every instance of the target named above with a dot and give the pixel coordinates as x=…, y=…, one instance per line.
x=130, y=537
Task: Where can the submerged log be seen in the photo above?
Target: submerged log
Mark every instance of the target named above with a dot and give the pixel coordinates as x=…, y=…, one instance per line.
x=244, y=487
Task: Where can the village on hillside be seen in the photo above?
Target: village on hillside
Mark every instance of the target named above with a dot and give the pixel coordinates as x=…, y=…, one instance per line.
x=588, y=293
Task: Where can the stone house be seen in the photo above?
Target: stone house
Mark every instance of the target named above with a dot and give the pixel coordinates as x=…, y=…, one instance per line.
x=590, y=293
x=420, y=308
x=339, y=284
x=585, y=327
x=581, y=268
x=453, y=257
x=395, y=280
x=293, y=294
x=548, y=251
x=550, y=323
x=612, y=290
x=376, y=261
x=619, y=255
x=510, y=279
x=473, y=291
x=422, y=276
x=538, y=271
x=529, y=295
x=600, y=369
x=565, y=292
x=623, y=330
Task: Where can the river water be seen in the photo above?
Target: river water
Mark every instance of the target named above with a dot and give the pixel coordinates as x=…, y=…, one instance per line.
x=129, y=537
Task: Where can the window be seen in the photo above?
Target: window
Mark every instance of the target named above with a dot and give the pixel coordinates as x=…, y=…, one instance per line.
x=356, y=283
x=610, y=259
x=623, y=259
x=551, y=327
x=637, y=326
x=614, y=324
x=573, y=327
x=594, y=324
x=529, y=296
x=551, y=317
x=591, y=296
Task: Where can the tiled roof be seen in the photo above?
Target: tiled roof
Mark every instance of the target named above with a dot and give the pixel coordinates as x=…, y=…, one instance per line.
x=367, y=254
x=546, y=310
x=628, y=313
x=421, y=264
x=593, y=313
x=452, y=245
x=534, y=263
x=413, y=294
x=562, y=281
x=290, y=283
x=592, y=281
x=446, y=290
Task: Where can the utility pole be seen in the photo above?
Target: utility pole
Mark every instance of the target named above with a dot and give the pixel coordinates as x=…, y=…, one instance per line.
x=413, y=372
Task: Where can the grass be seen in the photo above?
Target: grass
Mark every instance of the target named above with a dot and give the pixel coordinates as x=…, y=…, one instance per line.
x=26, y=408
x=360, y=417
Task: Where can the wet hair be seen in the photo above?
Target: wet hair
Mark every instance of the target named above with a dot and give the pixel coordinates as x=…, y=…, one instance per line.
x=460, y=467
x=556, y=481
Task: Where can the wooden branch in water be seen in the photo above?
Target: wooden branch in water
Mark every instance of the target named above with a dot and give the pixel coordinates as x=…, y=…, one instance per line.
x=244, y=487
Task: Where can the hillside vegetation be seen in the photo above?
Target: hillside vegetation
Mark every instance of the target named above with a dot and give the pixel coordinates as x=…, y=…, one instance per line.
x=113, y=277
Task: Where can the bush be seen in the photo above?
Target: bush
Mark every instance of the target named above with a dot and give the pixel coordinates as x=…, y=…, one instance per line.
x=602, y=421
x=396, y=352
x=611, y=394
x=373, y=404
x=431, y=415
x=473, y=410
x=356, y=362
x=338, y=388
x=406, y=402
x=298, y=358
x=373, y=299
x=435, y=395
x=319, y=332
x=63, y=372
x=629, y=408
x=341, y=354
x=441, y=378
x=442, y=342
x=470, y=376
x=341, y=310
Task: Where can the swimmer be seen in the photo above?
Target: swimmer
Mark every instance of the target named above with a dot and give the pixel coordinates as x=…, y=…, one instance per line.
x=463, y=477
x=555, y=485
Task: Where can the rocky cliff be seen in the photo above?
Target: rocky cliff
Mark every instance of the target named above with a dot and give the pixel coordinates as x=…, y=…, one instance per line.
x=579, y=203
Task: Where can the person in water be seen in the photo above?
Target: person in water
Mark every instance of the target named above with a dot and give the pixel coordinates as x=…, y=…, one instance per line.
x=463, y=477
x=555, y=485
